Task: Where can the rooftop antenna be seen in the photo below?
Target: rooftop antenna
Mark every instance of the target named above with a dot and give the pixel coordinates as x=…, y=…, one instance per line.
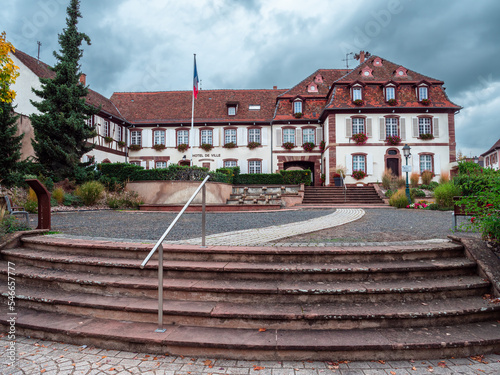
x=39, y=44
x=347, y=59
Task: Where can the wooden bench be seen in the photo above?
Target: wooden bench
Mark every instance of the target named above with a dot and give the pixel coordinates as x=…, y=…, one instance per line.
x=16, y=210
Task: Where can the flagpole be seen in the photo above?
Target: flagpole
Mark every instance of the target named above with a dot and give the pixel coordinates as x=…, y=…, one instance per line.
x=191, y=142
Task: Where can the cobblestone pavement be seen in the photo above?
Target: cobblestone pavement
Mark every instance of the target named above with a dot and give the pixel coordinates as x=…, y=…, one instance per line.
x=48, y=358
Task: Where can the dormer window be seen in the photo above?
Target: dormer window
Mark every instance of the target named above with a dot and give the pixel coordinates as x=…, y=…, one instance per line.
x=357, y=93
x=297, y=106
x=377, y=61
x=231, y=110
x=390, y=93
x=400, y=72
x=318, y=79
x=367, y=72
x=423, y=93
x=312, y=88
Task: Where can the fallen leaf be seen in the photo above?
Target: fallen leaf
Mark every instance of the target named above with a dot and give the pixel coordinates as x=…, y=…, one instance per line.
x=258, y=368
x=43, y=370
x=104, y=356
x=442, y=364
x=393, y=373
x=381, y=362
x=207, y=362
x=262, y=330
x=112, y=369
x=414, y=368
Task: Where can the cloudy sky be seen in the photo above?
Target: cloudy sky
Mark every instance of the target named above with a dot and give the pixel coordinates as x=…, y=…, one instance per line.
x=148, y=45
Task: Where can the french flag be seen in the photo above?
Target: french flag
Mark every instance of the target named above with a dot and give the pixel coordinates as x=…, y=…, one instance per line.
x=195, y=80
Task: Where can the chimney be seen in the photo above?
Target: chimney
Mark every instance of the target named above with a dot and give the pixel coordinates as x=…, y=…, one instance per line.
x=83, y=80
x=275, y=87
x=361, y=57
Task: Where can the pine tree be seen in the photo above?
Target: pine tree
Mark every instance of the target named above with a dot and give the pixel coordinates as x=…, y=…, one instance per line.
x=61, y=131
x=10, y=144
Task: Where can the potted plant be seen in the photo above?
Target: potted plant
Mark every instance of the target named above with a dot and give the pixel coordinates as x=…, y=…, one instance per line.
x=252, y=145
x=337, y=179
x=322, y=146
x=392, y=102
x=359, y=175
x=230, y=145
x=341, y=171
x=298, y=114
x=360, y=138
x=393, y=140
x=288, y=145
x=182, y=147
x=108, y=139
x=358, y=102
x=426, y=102
x=159, y=146
x=206, y=146
x=121, y=143
x=135, y=147
x=322, y=179
x=426, y=137
x=308, y=146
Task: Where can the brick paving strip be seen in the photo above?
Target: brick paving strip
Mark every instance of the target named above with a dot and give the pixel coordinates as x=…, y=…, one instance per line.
x=35, y=356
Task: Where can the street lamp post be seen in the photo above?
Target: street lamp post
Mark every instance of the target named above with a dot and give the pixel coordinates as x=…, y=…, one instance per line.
x=407, y=154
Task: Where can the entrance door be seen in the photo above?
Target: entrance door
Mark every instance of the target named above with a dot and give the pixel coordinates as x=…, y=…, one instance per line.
x=393, y=165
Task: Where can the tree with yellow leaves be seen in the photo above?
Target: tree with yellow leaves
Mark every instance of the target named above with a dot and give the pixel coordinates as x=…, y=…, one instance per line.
x=8, y=71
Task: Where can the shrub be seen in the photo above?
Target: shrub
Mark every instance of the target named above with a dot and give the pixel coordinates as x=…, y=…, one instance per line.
x=58, y=195
x=231, y=173
x=444, y=178
x=432, y=206
x=400, y=182
x=399, y=199
x=431, y=186
x=414, y=177
x=67, y=185
x=261, y=178
x=90, y=192
x=72, y=200
x=123, y=200
x=427, y=177
x=417, y=193
x=389, y=193
x=297, y=177
x=121, y=171
x=444, y=194
x=386, y=179
x=10, y=224
x=31, y=203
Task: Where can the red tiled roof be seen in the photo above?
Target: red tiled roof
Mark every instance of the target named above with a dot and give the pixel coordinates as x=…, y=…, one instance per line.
x=210, y=106
x=43, y=70
x=373, y=93
x=496, y=146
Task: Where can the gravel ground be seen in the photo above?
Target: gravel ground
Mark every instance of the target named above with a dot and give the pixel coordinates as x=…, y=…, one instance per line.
x=376, y=225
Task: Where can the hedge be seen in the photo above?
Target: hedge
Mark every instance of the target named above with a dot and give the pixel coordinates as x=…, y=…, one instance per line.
x=297, y=177
x=259, y=178
x=232, y=173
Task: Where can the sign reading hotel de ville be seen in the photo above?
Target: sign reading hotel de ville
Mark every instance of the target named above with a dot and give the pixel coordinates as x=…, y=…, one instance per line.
x=206, y=155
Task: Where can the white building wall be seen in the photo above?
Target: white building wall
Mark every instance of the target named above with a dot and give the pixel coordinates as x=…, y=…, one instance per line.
x=26, y=80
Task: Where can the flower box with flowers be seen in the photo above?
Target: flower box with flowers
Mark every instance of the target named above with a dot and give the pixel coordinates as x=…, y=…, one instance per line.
x=360, y=138
x=252, y=145
x=121, y=144
x=392, y=102
x=135, y=147
x=108, y=139
x=288, y=145
x=359, y=175
x=308, y=146
x=206, y=146
x=159, y=146
x=426, y=137
x=298, y=114
x=322, y=146
x=426, y=102
x=230, y=145
x=358, y=102
x=393, y=140
x=182, y=147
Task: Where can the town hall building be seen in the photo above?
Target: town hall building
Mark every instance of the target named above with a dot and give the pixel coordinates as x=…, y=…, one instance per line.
x=335, y=119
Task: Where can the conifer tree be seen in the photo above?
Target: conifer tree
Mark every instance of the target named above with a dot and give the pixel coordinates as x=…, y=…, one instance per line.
x=61, y=131
x=10, y=144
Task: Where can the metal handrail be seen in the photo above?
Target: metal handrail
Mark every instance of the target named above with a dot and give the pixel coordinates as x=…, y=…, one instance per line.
x=159, y=246
x=345, y=188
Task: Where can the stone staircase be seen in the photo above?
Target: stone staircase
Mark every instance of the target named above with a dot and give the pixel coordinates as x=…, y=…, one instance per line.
x=308, y=303
x=328, y=195
x=275, y=195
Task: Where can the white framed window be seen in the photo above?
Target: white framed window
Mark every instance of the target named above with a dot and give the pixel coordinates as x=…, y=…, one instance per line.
x=391, y=127
x=254, y=135
x=230, y=136
x=206, y=137
x=255, y=166
x=135, y=137
x=308, y=135
x=254, y=107
x=136, y=163
x=119, y=135
x=159, y=137
x=161, y=164
x=106, y=128
x=425, y=163
x=424, y=126
x=230, y=164
x=231, y=110
x=423, y=93
x=182, y=137
x=358, y=125
x=289, y=136
x=90, y=121
x=356, y=93
x=359, y=163
x=390, y=93
x=297, y=106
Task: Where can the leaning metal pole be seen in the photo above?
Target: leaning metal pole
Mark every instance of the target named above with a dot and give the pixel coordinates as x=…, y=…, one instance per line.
x=160, y=290
x=407, y=185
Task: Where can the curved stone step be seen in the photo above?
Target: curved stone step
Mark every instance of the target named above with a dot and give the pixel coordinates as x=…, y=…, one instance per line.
x=244, y=270
x=271, y=315
x=263, y=344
